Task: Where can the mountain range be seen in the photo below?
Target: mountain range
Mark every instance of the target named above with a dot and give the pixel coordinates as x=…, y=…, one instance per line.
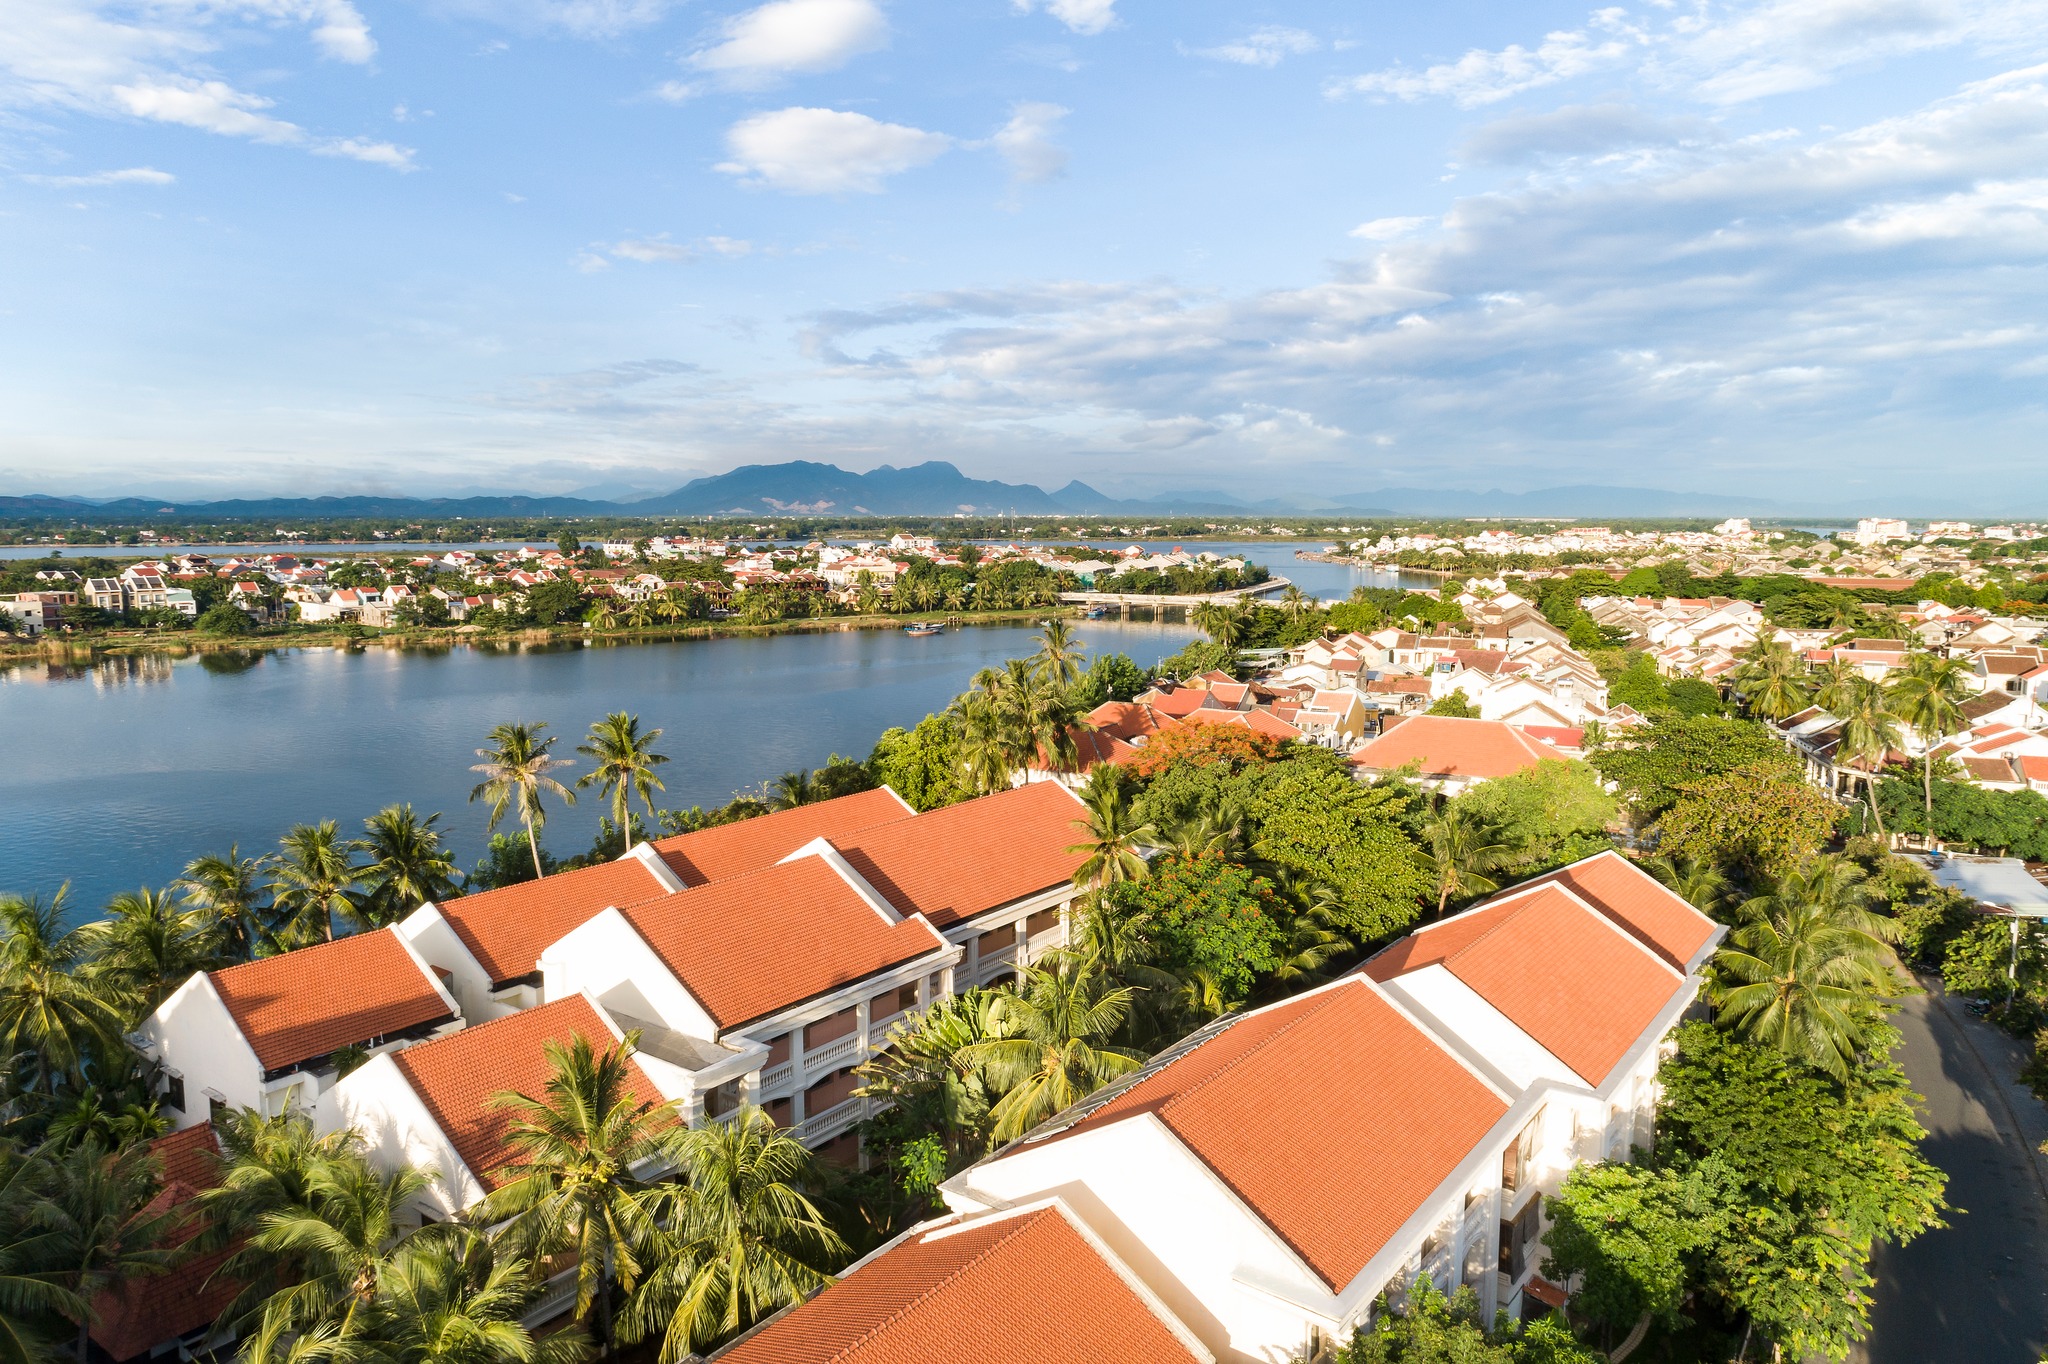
x=935, y=488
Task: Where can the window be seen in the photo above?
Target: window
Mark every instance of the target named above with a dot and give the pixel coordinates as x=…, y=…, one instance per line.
x=778, y=1051
x=830, y=1029
x=1516, y=1160
x=1041, y=922
x=1518, y=1238
x=174, y=1091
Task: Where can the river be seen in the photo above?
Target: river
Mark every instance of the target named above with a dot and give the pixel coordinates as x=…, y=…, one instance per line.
x=118, y=773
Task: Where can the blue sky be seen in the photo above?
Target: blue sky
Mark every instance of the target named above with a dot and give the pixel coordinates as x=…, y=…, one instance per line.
x=428, y=246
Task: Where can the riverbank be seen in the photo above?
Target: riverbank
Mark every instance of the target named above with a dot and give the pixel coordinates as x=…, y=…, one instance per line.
x=185, y=643
x=1368, y=566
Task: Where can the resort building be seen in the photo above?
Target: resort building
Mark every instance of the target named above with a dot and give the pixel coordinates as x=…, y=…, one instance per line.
x=1451, y=754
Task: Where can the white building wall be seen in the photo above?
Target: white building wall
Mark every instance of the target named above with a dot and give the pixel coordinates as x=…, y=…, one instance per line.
x=607, y=960
x=1458, y=1013
x=193, y=1033
x=427, y=931
x=397, y=1130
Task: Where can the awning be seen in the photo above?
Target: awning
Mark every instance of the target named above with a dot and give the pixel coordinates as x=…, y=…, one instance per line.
x=2002, y=884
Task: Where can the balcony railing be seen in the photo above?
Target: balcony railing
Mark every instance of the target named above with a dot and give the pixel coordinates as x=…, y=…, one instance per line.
x=832, y=1054
x=830, y=1123
x=775, y=1077
x=557, y=1295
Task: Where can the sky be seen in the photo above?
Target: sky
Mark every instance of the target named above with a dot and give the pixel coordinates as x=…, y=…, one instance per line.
x=1792, y=248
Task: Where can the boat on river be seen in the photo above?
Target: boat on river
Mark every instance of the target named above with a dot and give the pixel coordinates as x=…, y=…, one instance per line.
x=922, y=629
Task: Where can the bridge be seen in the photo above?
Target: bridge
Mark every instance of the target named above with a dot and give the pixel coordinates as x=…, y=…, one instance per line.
x=1124, y=601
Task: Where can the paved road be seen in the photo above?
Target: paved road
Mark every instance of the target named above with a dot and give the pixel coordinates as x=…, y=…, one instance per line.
x=1975, y=1291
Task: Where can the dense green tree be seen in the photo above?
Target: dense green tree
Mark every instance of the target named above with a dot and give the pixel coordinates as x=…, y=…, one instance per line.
x=1653, y=766
x=1758, y=818
x=1434, y=1329
x=1205, y=913
x=405, y=864
x=1631, y=1235
x=224, y=621
x=517, y=772
x=1111, y=677
x=1555, y=812
x=1308, y=814
x=922, y=764
x=1454, y=704
x=2012, y=822
x=622, y=767
x=549, y=602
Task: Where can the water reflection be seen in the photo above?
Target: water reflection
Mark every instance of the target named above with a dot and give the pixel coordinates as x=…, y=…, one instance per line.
x=230, y=662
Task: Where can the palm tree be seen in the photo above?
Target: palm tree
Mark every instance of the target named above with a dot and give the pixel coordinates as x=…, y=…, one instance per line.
x=1458, y=850
x=1773, y=680
x=516, y=771
x=52, y=1021
x=738, y=1239
x=149, y=944
x=986, y=746
x=1809, y=966
x=88, y=1119
x=1315, y=937
x=1058, y=660
x=622, y=767
x=1213, y=829
x=231, y=890
x=451, y=1299
x=1869, y=733
x=574, y=1186
x=338, y=1243
x=792, y=789
x=1053, y=1055
x=1832, y=681
x=1928, y=694
x=602, y=615
x=267, y=1171
x=408, y=864
x=315, y=881
x=1295, y=603
x=100, y=1231
x=1700, y=884
x=34, y=1302
x=1224, y=622
x=1114, y=838
x=920, y=1071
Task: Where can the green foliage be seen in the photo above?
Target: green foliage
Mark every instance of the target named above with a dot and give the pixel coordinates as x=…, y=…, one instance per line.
x=1815, y=1174
x=1655, y=765
x=224, y=620
x=1759, y=818
x=1211, y=915
x=1976, y=958
x=549, y=602
x=1434, y=1329
x=922, y=765
x=1456, y=705
x=1201, y=656
x=2012, y=822
x=1630, y=1231
x=1310, y=816
x=1111, y=677
x=1546, y=815
x=507, y=861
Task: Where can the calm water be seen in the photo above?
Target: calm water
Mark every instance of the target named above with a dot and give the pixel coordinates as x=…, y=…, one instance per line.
x=117, y=775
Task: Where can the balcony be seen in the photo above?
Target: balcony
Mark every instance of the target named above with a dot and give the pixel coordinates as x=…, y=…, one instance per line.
x=832, y=1055
x=822, y=1127
x=776, y=1077
x=557, y=1296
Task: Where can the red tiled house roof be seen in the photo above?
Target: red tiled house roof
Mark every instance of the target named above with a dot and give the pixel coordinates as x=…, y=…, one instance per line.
x=1448, y=746
x=507, y=929
x=751, y=945
x=724, y=850
x=1381, y=1085
x=1001, y=1289
x=457, y=1076
x=962, y=860
x=301, y=1006
x=1641, y=904
x=149, y=1309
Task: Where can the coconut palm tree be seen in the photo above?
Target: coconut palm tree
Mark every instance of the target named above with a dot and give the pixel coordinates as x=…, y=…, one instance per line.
x=1773, y=680
x=267, y=1171
x=1058, y=661
x=101, y=1234
x=1458, y=850
x=622, y=767
x=602, y=615
x=1295, y=603
x=792, y=789
x=407, y=865
x=452, y=1299
x=52, y=1020
x=517, y=770
x=315, y=881
x=737, y=1239
x=149, y=944
x=1808, y=966
x=1832, y=681
x=1869, y=732
x=574, y=1186
x=987, y=747
x=89, y=1118
x=338, y=1243
x=1225, y=622
x=1213, y=829
x=1928, y=694
x=920, y=1070
x=1054, y=1052
x=35, y=1304
x=1114, y=839
x=1700, y=884
x=231, y=890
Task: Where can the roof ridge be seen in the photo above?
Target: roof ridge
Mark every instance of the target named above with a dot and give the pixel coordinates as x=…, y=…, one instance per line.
x=1249, y=1052
x=347, y=938
x=1529, y=893
x=404, y=1054
x=946, y=1281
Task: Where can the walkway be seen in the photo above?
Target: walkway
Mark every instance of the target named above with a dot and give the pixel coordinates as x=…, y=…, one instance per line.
x=1976, y=1290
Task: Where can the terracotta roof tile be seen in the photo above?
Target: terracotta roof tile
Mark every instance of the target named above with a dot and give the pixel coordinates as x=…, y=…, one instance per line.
x=994, y=1291
x=150, y=1309
x=1640, y=903
x=750, y=844
x=300, y=1006
x=962, y=860
x=751, y=945
x=507, y=929
x=1453, y=747
x=457, y=1076
x=1393, y=1115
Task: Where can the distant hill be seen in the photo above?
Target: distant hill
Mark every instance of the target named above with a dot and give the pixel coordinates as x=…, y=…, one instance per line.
x=934, y=488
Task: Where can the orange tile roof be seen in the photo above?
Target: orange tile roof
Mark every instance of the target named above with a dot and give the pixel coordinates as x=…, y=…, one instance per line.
x=750, y=844
x=1568, y=978
x=996, y=1290
x=1640, y=903
x=962, y=860
x=300, y=1006
x=457, y=1076
x=1452, y=747
x=1393, y=1114
x=1129, y=719
x=507, y=929
x=748, y=946
x=150, y=1309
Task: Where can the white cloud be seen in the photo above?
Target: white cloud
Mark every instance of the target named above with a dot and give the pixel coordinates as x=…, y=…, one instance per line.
x=788, y=36
x=676, y=92
x=653, y=250
x=1082, y=16
x=133, y=175
x=825, y=151
x=593, y=19
x=1481, y=77
x=1026, y=143
x=1266, y=46
x=729, y=246
x=1387, y=229
x=136, y=59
